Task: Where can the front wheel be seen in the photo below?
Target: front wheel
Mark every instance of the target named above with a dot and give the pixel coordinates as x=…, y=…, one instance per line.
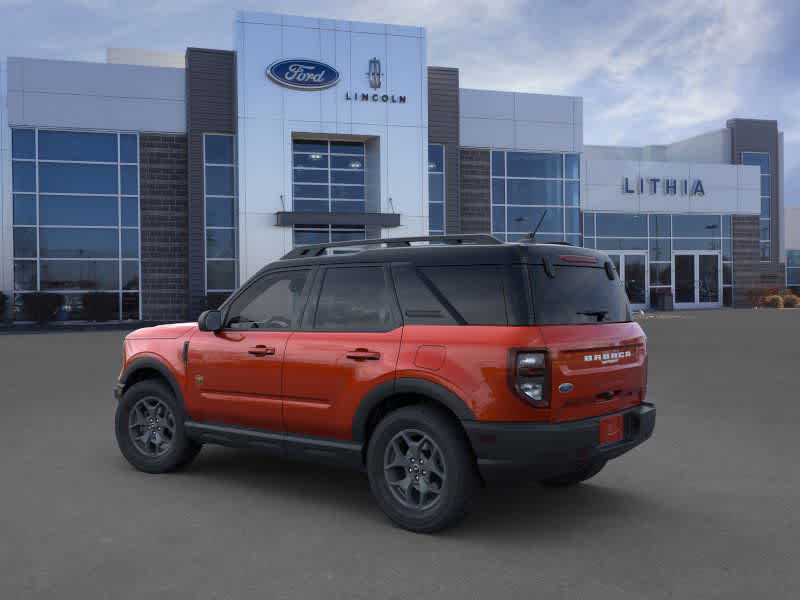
x=421, y=470
x=149, y=429
x=576, y=476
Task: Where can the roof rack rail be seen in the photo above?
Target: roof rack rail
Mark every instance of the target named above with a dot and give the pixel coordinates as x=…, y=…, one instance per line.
x=318, y=249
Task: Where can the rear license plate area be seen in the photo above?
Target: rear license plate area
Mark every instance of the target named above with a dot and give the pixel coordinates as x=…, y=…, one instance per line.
x=612, y=429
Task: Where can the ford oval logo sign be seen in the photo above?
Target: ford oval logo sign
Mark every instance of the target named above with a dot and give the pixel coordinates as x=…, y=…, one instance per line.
x=303, y=74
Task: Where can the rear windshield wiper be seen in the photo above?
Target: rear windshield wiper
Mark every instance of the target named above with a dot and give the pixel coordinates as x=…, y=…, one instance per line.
x=600, y=314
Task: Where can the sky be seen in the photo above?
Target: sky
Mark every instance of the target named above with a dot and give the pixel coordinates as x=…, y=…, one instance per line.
x=649, y=72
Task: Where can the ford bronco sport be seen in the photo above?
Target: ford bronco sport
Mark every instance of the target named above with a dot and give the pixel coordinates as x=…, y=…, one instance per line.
x=435, y=364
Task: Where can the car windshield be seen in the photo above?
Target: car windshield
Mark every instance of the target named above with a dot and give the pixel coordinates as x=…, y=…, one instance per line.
x=578, y=295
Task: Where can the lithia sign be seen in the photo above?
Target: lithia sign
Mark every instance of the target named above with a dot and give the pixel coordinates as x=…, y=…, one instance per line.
x=307, y=74
x=667, y=186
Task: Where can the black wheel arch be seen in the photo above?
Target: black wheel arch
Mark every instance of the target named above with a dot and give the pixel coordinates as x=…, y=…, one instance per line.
x=150, y=368
x=397, y=389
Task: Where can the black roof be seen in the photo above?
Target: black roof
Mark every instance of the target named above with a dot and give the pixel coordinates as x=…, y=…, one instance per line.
x=443, y=250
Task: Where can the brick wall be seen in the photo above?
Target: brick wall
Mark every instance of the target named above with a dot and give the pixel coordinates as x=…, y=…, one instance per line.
x=164, y=222
x=476, y=207
x=748, y=271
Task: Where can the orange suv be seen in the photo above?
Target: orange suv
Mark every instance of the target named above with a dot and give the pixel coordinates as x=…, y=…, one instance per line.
x=434, y=364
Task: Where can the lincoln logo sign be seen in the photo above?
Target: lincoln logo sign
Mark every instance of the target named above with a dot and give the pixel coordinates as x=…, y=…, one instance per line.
x=667, y=186
x=302, y=74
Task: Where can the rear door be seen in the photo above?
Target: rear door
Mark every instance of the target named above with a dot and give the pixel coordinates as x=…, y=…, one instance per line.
x=349, y=343
x=597, y=354
x=235, y=375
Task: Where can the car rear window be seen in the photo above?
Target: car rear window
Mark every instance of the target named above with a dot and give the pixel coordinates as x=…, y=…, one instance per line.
x=475, y=292
x=577, y=295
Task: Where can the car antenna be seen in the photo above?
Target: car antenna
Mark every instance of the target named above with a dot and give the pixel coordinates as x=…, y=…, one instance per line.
x=532, y=235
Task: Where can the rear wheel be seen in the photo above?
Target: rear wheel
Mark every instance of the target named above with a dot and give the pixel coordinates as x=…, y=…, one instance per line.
x=576, y=476
x=149, y=429
x=421, y=470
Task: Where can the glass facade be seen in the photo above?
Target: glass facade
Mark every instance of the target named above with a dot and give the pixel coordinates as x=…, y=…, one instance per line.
x=436, y=193
x=528, y=187
x=761, y=160
x=219, y=160
x=76, y=220
x=793, y=268
x=328, y=176
x=659, y=236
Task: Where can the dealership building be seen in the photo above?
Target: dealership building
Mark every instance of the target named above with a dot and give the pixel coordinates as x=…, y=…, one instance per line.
x=166, y=180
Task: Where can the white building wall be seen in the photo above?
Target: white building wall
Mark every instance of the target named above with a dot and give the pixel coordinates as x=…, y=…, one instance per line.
x=147, y=58
x=791, y=228
x=269, y=115
x=713, y=147
x=511, y=120
x=6, y=205
x=82, y=95
x=729, y=189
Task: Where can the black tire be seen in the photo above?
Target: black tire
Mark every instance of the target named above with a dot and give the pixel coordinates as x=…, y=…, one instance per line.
x=576, y=476
x=172, y=449
x=446, y=447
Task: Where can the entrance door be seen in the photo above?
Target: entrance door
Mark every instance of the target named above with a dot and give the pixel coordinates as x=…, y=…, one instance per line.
x=632, y=269
x=696, y=279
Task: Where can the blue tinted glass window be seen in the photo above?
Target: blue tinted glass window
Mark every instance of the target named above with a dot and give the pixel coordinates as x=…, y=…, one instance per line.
x=766, y=251
x=347, y=148
x=522, y=191
x=24, y=209
x=498, y=219
x=220, y=274
x=345, y=236
x=220, y=243
x=572, y=220
x=660, y=226
x=219, y=181
x=23, y=176
x=727, y=249
x=128, y=148
x=765, y=185
x=573, y=166
x=77, y=210
x=130, y=275
x=621, y=244
x=219, y=212
x=727, y=226
x=24, y=275
x=759, y=159
x=129, y=180
x=311, y=205
x=77, y=179
x=588, y=224
x=302, y=238
x=355, y=177
x=80, y=146
x=660, y=249
x=23, y=143
x=130, y=212
x=219, y=149
x=572, y=189
x=348, y=206
x=78, y=243
x=525, y=218
x=320, y=161
x=313, y=175
x=130, y=243
x=436, y=187
x=436, y=217
x=498, y=191
x=696, y=225
x=764, y=229
x=498, y=163
x=435, y=158
x=351, y=192
x=79, y=275
x=310, y=191
x=337, y=162
x=310, y=146
x=25, y=242
x=695, y=244
x=793, y=258
x=529, y=164
x=622, y=225
x=765, y=208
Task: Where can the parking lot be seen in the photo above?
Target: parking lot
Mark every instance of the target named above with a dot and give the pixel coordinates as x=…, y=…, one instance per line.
x=706, y=509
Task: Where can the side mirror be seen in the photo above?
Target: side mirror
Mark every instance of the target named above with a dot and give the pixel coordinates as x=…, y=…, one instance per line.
x=210, y=320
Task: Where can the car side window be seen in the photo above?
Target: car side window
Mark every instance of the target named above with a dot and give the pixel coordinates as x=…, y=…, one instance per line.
x=354, y=299
x=273, y=302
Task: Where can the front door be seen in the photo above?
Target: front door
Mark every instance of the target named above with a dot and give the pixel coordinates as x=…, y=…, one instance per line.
x=696, y=279
x=349, y=343
x=632, y=269
x=235, y=375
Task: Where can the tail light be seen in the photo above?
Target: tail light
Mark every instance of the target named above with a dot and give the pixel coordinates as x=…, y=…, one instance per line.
x=529, y=369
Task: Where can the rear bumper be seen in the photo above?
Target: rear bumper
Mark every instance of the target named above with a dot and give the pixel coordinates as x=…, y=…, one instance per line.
x=531, y=451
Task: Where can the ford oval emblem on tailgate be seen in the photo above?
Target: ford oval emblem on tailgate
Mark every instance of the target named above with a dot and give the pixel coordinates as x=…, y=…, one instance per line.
x=565, y=388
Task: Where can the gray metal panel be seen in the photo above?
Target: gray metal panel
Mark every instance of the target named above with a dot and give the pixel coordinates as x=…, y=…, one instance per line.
x=210, y=108
x=337, y=218
x=476, y=216
x=443, y=128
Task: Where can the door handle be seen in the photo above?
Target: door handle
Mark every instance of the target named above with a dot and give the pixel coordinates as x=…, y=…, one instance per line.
x=261, y=350
x=363, y=354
